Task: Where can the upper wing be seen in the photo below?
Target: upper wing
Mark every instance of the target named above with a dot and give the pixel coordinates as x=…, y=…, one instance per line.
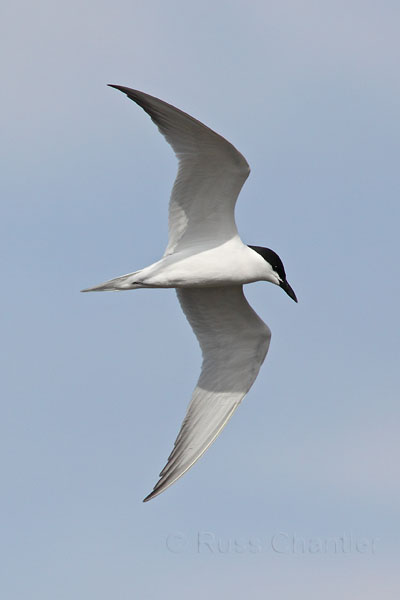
x=210, y=176
x=234, y=342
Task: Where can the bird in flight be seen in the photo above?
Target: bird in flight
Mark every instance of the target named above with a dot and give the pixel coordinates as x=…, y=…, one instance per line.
x=207, y=263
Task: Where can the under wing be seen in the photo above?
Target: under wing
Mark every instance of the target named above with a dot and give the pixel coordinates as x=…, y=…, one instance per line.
x=210, y=176
x=234, y=342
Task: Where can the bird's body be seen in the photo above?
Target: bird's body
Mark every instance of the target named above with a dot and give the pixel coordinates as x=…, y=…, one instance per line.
x=231, y=263
x=207, y=263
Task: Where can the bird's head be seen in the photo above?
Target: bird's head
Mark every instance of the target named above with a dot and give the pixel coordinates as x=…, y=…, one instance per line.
x=277, y=275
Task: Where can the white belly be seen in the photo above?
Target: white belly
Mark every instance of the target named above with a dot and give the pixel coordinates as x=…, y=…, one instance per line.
x=232, y=263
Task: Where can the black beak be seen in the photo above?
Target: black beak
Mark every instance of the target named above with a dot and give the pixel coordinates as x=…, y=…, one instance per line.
x=285, y=286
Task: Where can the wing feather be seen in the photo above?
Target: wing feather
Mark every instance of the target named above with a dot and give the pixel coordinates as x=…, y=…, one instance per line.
x=210, y=176
x=234, y=342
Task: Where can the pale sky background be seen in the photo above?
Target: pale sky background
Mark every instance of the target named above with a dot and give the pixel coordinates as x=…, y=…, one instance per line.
x=94, y=387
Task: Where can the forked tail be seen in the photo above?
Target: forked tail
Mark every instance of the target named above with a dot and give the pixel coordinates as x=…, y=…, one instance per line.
x=125, y=282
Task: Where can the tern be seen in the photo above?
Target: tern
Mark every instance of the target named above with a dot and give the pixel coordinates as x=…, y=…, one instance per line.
x=208, y=264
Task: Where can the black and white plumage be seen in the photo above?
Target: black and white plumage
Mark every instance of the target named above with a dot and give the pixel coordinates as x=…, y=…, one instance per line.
x=207, y=263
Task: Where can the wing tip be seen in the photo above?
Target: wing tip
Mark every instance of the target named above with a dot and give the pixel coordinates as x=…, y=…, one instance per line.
x=156, y=491
x=163, y=484
x=149, y=497
x=121, y=88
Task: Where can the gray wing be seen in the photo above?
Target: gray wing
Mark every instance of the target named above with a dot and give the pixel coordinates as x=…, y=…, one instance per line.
x=210, y=176
x=234, y=342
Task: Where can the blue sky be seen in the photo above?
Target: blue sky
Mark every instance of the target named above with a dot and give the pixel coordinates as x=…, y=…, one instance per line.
x=95, y=387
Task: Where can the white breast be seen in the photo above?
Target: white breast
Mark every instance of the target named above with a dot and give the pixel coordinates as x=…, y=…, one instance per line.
x=231, y=263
